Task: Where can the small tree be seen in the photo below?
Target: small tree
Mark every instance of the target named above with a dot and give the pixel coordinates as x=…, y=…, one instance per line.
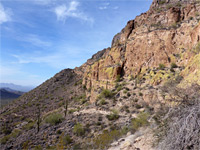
x=38, y=118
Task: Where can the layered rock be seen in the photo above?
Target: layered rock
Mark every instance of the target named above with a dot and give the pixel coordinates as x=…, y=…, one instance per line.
x=163, y=35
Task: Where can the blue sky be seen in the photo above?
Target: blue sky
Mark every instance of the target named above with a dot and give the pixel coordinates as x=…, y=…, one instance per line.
x=39, y=38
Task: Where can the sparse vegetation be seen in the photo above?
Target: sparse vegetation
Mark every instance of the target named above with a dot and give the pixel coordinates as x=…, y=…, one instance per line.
x=173, y=65
x=54, y=118
x=118, y=78
x=106, y=94
x=67, y=140
x=114, y=115
x=103, y=140
x=78, y=129
x=162, y=2
x=102, y=101
x=140, y=121
x=6, y=138
x=161, y=67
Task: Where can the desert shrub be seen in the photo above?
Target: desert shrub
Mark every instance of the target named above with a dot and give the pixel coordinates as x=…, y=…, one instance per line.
x=6, y=130
x=125, y=91
x=38, y=147
x=118, y=78
x=162, y=2
x=140, y=121
x=102, y=141
x=106, y=93
x=128, y=94
x=102, y=101
x=78, y=129
x=169, y=6
x=137, y=106
x=161, y=66
x=58, y=132
x=25, y=145
x=83, y=101
x=183, y=128
x=78, y=82
x=140, y=94
x=67, y=140
x=114, y=115
x=72, y=111
x=54, y=118
x=173, y=65
x=178, y=4
x=29, y=126
x=119, y=87
x=6, y=138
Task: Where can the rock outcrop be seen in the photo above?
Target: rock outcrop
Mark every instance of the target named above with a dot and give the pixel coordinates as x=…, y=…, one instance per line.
x=163, y=35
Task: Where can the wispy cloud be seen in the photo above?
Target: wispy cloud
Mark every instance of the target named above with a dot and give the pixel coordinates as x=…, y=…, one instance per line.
x=63, y=12
x=5, y=14
x=104, y=6
x=34, y=40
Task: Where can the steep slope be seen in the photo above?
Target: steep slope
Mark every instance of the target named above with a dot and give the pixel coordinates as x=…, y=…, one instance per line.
x=117, y=91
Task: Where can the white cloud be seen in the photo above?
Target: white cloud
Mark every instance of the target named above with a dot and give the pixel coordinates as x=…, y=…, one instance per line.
x=34, y=40
x=4, y=14
x=104, y=6
x=62, y=12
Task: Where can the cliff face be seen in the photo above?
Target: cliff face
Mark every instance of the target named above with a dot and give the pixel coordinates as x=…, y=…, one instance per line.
x=165, y=34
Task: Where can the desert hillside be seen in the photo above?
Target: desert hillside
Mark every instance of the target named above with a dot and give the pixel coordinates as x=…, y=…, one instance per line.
x=142, y=93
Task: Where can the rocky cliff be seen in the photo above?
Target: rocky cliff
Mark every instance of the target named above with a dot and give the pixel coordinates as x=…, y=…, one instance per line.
x=117, y=91
x=168, y=33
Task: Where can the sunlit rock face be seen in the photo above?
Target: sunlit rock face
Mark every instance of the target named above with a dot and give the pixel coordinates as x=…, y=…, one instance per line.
x=163, y=35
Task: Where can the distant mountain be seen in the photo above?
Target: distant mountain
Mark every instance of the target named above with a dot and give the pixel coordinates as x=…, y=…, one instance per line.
x=16, y=87
x=7, y=95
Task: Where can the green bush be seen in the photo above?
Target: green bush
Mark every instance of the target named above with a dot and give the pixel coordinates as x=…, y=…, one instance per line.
x=102, y=141
x=119, y=87
x=140, y=94
x=54, y=118
x=6, y=138
x=106, y=93
x=161, y=66
x=125, y=91
x=38, y=147
x=29, y=126
x=67, y=140
x=173, y=65
x=162, y=2
x=78, y=129
x=114, y=115
x=118, y=78
x=72, y=111
x=102, y=101
x=140, y=121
